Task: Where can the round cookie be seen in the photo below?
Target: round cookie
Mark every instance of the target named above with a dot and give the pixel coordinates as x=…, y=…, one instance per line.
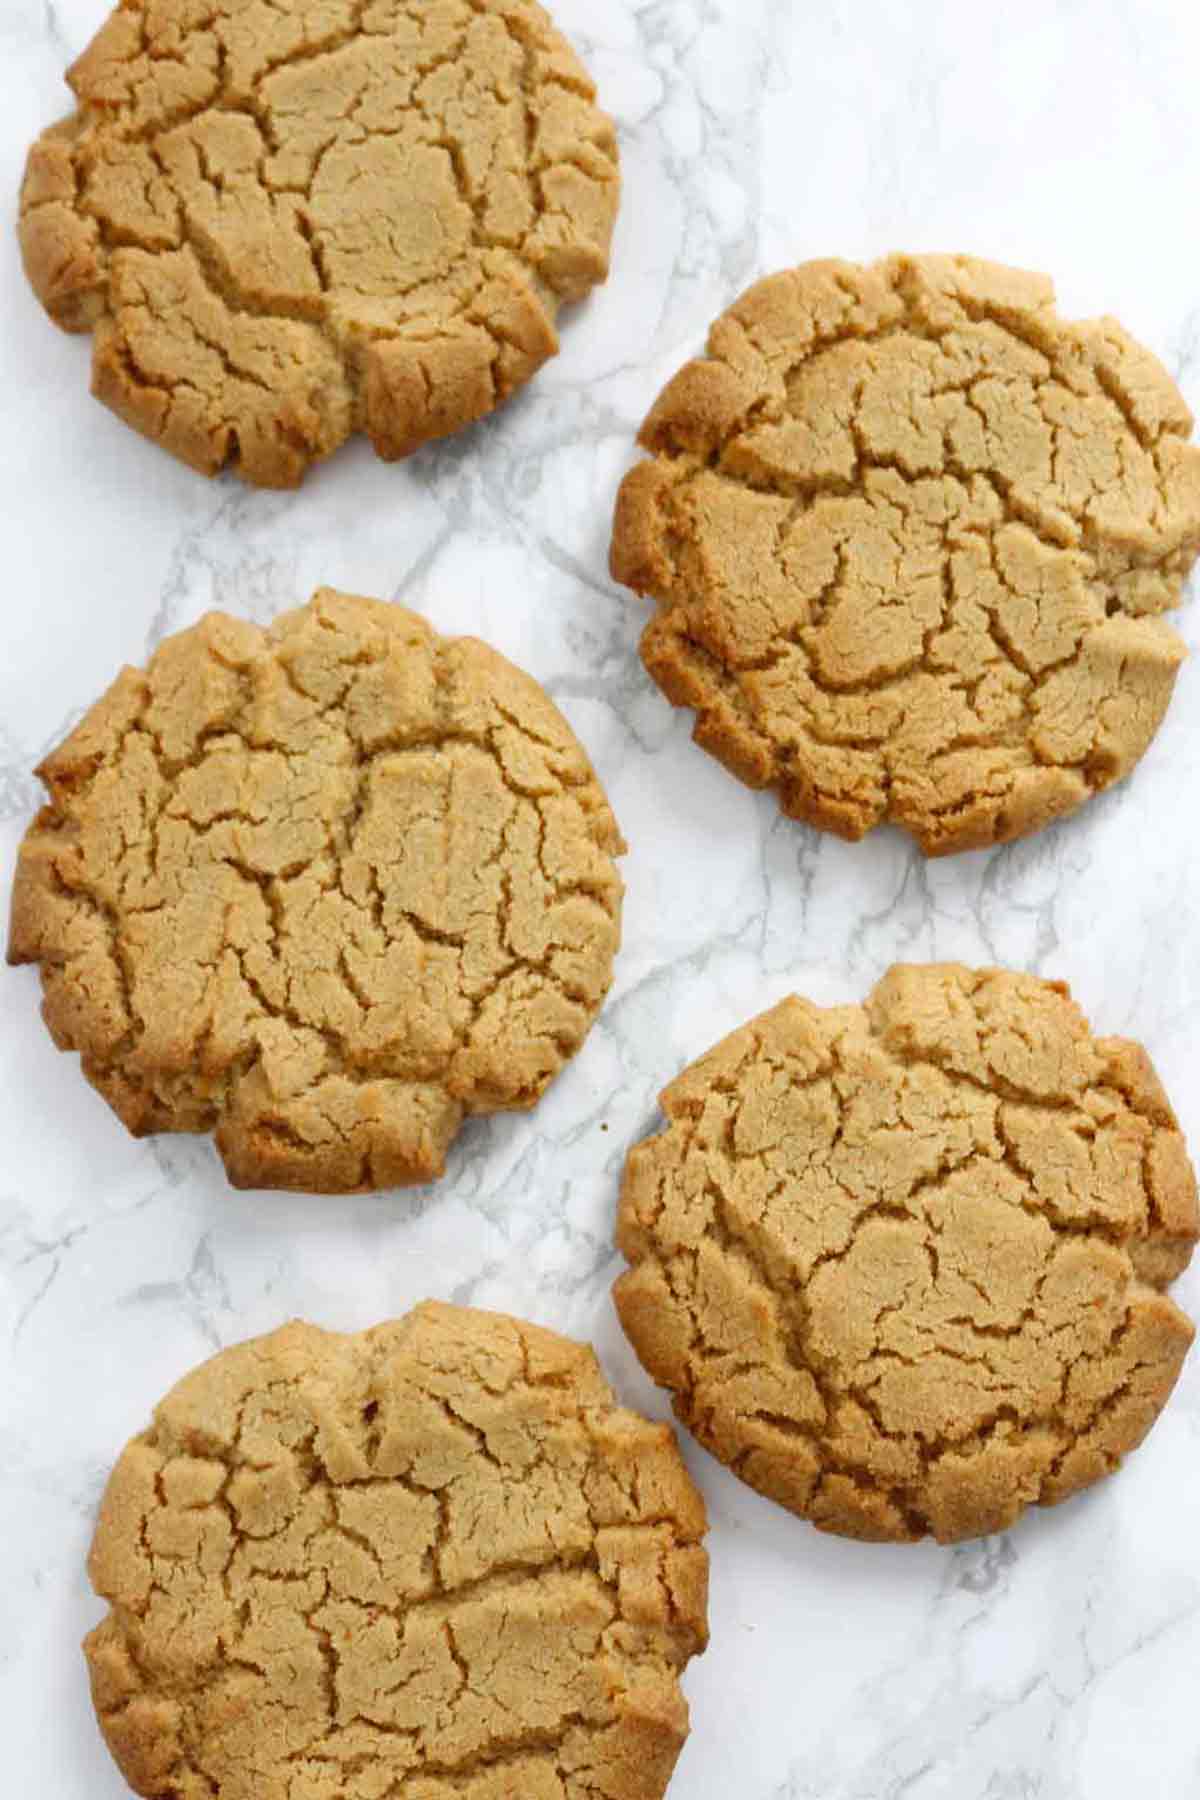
x=902, y=1264
x=910, y=535
x=433, y=1561
x=284, y=223
x=325, y=888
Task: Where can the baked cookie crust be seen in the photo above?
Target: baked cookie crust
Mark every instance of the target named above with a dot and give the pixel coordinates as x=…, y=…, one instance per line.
x=911, y=536
x=284, y=223
x=902, y=1265
x=325, y=889
x=428, y=1561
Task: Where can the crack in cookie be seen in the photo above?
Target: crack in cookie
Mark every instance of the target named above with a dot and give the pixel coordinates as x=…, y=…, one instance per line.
x=910, y=535
x=326, y=889
x=287, y=223
x=901, y=1265
x=432, y=1559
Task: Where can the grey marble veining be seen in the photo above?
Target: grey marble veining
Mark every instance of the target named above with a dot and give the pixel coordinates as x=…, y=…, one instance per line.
x=1056, y=1663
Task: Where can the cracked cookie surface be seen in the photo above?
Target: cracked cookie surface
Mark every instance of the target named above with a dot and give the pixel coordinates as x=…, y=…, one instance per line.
x=902, y=1265
x=287, y=222
x=910, y=535
x=434, y=1559
x=326, y=889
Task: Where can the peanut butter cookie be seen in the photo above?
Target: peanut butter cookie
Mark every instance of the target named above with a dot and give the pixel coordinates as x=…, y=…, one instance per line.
x=910, y=535
x=325, y=889
x=284, y=222
x=431, y=1561
x=902, y=1265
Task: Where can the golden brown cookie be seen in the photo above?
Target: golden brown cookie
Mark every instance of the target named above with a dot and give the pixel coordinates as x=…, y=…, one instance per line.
x=433, y=1560
x=284, y=222
x=910, y=535
x=902, y=1264
x=325, y=889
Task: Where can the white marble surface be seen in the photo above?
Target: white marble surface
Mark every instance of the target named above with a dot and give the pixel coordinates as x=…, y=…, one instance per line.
x=1058, y=1662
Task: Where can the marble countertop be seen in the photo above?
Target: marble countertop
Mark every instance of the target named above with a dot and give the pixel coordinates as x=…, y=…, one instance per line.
x=1058, y=1661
